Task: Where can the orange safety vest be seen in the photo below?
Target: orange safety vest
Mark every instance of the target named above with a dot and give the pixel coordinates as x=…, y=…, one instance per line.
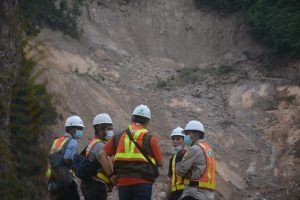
x=89, y=148
x=91, y=144
x=57, y=145
x=128, y=160
x=127, y=150
x=208, y=179
x=177, y=182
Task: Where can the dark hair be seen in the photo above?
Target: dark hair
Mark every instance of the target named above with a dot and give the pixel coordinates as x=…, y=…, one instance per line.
x=101, y=127
x=139, y=119
x=177, y=136
x=69, y=128
x=200, y=133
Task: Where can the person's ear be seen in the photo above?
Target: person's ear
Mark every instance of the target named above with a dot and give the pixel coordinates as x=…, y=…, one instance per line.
x=195, y=135
x=72, y=131
x=146, y=124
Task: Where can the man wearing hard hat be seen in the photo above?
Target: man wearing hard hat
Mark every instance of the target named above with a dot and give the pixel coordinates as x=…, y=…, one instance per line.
x=176, y=183
x=96, y=187
x=197, y=165
x=62, y=184
x=136, y=156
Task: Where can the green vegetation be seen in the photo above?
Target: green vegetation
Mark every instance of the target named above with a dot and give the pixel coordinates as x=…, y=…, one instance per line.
x=96, y=76
x=226, y=123
x=184, y=76
x=224, y=70
x=223, y=6
x=267, y=67
x=25, y=158
x=161, y=84
x=290, y=99
x=23, y=155
x=57, y=15
x=193, y=75
x=275, y=22
x=31, y=114
x=188, y=75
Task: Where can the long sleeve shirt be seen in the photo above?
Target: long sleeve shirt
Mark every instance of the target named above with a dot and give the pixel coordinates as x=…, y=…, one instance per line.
x=192, y=166
x=71, y=148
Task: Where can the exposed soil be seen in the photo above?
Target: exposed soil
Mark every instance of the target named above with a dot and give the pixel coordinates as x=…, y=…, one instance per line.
x=251, y=115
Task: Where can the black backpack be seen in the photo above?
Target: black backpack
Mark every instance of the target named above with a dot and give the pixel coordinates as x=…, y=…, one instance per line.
x=59, y=172
x=83, y=167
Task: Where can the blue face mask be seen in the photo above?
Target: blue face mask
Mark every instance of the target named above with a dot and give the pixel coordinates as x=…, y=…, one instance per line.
x=109, y=134
x=187, y=140
x=78, y=134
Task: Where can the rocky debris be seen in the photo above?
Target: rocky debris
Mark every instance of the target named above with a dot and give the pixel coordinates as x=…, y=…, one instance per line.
x=123, y=51
x=258, y=196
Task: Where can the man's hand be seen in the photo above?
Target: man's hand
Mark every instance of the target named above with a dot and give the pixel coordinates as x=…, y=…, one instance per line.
x=105, y=163
x=188, y=174
x=110, y=187
x=113, y=179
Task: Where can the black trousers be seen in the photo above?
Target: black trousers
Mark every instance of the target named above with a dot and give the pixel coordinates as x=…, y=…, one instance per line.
x=189, y=198
x=94, y=190
x=67, y=192
x=175, y=195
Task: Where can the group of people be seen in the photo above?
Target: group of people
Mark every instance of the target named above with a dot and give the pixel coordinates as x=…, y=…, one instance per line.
x=130, y=159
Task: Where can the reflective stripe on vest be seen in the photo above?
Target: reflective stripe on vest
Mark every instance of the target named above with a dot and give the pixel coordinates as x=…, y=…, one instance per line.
x=57, y=145
x=177, y=181
x=91, y=144
x=103, y=177
x=89, y=148
x=127, y=150
x=208, y=179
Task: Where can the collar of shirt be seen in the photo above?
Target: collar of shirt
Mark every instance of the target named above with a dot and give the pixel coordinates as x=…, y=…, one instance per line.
x=135, y=127
x=68, y=135
x=181, y=152
x=196, y=142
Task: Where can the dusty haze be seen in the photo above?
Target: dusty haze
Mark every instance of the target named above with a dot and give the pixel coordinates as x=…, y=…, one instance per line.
x=251, y=115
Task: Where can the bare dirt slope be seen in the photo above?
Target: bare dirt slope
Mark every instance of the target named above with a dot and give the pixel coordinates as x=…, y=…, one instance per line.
x=126, y=49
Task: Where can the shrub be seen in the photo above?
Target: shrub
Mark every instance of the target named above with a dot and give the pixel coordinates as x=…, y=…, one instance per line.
x=224, y=70
x=223, y=6
x=36, y=13
x=185, y=76
x=277, y=22
x=31, y=113
x=161, y=83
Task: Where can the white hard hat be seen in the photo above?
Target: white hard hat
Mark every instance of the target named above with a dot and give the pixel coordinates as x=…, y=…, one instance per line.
x=74, y=121
x=102, y=118
x=177, y=131
x=194, y=126
x=142, y=110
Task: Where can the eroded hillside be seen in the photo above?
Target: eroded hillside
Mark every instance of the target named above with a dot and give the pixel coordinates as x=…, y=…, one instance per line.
x=132, y=53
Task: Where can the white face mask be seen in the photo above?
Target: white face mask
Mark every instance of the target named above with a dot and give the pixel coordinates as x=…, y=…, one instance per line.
x=177, y=149
x=109, y=134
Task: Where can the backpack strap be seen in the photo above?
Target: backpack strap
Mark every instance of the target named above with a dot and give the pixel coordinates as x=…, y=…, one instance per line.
x=66, y=144
x=85, y=149
x=146, y=155
x=146, y=141
x=63, y=149
x=147, y=144
x=83, y=152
